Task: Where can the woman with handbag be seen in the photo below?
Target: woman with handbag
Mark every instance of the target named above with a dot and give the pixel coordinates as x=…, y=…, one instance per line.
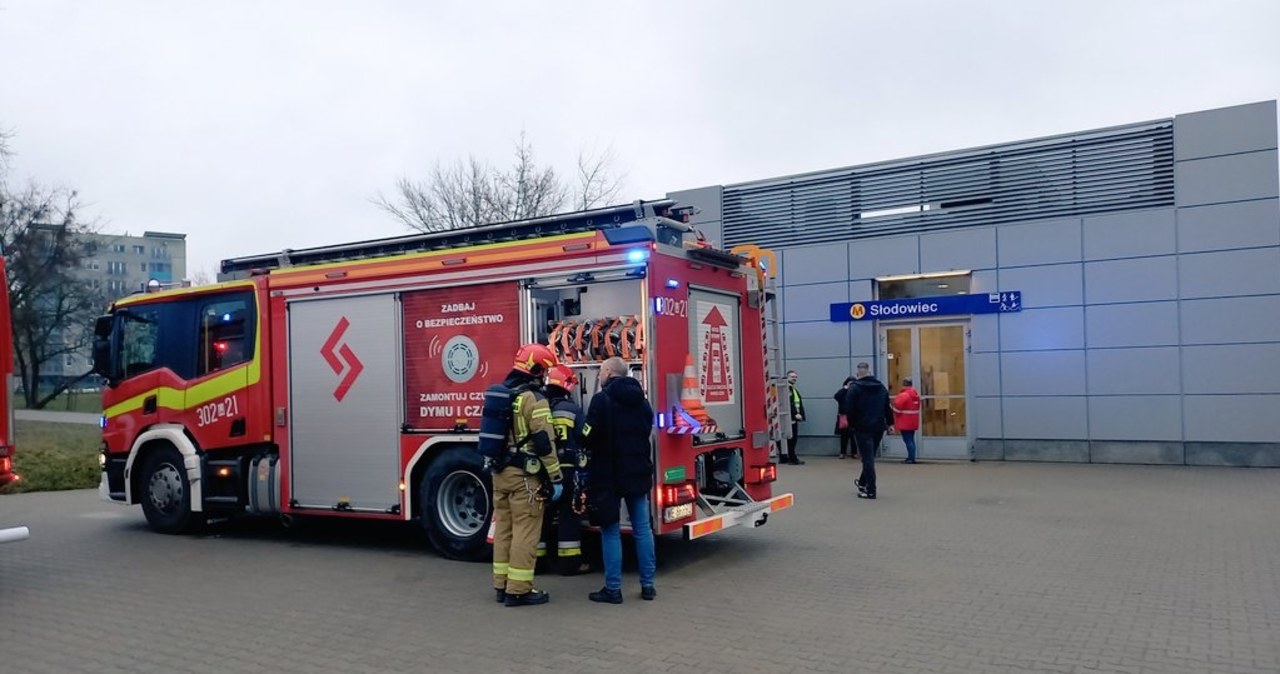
x=842, y=420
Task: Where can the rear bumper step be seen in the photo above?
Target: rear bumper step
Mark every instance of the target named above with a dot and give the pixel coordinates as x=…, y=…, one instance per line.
x=756, y=513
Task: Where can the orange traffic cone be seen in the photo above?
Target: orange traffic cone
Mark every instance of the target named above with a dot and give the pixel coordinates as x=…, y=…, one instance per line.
x=690, y=399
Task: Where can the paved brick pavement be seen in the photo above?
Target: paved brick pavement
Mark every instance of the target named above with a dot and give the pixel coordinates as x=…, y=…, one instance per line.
x=992, y=567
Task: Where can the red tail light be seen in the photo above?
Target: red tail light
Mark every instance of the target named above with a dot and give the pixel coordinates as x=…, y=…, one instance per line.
x=677, y=494
x=762, y=474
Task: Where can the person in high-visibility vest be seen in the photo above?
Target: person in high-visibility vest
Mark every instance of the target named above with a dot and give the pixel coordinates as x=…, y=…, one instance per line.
x=797, y=415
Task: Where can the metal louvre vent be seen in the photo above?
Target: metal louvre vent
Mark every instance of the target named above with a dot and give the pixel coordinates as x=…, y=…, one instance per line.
x=1110, y=170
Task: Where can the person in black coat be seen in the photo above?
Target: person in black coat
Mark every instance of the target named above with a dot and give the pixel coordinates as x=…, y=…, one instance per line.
x=870, y=415
x=846, y=433
x=618, y=429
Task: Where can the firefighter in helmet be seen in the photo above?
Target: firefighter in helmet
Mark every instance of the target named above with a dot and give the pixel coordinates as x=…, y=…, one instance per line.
x=564, y=525
x=529, y=476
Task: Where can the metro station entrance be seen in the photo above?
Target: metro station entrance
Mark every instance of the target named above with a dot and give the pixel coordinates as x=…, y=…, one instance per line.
x=934, y=356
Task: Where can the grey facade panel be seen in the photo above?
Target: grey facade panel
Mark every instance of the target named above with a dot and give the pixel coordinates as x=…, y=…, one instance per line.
x=984, y=333
x=1133, y=280
x=1237, y=177
x=814, y=264
x=1046, y=418
x=862, y=337
x=1130, y=234
x=812, y=302
x=1042, y=329
x=1232, y=418
x=1142, y=324
x=815, y=340
x=1134, y=371
x=1239, y=128
x=1048, y=286
x=1136, y=418
x=985, y=282
x=1232, y=368
x=986, y=417
x=1230, y=273
x=1245, y=224
x=884, y=257
x=1042, y=373
x=984, y=374
x=961, y=249
x=1046, y=242
x=1251, y=319
x=817, y=375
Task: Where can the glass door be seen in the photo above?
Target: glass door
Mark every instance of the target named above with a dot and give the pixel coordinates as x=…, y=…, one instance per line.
x=933, y=356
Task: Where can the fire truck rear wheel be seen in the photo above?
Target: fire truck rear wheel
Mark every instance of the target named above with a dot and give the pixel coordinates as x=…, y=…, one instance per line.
x=456, y=504
x=166, y=493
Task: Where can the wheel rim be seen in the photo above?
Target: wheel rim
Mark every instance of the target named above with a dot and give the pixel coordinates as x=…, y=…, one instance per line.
x=462, y=504
x=165, y=488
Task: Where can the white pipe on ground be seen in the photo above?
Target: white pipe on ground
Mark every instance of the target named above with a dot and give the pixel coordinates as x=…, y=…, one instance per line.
x=14, y=535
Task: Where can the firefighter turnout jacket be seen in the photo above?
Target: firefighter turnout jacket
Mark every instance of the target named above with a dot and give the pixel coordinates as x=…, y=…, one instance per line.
x=532, y=430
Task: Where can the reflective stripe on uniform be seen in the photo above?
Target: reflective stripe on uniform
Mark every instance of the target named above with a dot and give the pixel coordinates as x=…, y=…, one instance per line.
x=553, y=465
x=569, y=552
x=520, y=574
x=500, y=568
x=586, y=430
x=569, y=544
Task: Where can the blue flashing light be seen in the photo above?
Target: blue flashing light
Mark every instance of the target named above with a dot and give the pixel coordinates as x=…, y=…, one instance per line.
x=672, y=283
x=662, y=420
x=226, y=318
x=637, y=256
x=102, y=422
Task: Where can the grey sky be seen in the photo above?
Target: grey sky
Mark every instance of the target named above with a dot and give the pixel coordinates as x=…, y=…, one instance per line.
x=255, y=126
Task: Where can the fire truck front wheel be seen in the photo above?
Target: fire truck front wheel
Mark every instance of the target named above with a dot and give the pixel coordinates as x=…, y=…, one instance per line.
x=166, y=492
x=456, y=504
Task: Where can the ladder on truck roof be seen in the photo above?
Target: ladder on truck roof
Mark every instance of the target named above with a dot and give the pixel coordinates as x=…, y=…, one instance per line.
x=659, y=216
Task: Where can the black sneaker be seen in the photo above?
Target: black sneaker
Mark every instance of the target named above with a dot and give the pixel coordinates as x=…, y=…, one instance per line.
x=606, y=596
x=908, y=460
x=866, y=495
x=648, y=592
x=500, y=594
x=858, y=484
x=530, y=598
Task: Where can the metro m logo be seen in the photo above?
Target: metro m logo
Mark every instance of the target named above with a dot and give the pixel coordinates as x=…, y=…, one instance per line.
x=340, y=358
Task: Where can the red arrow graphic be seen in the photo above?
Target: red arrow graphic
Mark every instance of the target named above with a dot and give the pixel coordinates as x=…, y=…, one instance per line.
x=341, y=358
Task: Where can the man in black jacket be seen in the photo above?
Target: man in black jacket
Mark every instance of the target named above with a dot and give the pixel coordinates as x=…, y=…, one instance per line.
x=617, y=431
x=867, y=404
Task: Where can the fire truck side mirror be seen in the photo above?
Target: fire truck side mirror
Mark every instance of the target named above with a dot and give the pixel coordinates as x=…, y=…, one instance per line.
x=104, y=351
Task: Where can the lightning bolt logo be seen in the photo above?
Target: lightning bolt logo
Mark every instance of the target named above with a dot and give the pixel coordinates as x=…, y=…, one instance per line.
x=341, y=358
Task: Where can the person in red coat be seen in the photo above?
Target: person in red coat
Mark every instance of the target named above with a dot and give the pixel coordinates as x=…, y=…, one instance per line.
x=906, y=417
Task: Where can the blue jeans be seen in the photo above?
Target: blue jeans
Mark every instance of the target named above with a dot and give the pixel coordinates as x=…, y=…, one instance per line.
x=611, y=544
x=909, y=439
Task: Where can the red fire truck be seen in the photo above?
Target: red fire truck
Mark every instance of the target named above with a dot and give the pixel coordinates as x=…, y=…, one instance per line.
x=347, y=381
x=7, y=475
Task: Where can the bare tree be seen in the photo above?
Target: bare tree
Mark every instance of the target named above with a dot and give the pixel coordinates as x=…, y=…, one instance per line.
x=51, y=305
x=470, y=193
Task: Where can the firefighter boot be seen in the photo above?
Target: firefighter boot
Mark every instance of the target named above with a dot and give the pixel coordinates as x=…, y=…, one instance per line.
x=530, y=598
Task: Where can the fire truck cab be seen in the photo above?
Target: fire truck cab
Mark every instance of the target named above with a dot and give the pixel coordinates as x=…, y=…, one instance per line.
x=346, y=381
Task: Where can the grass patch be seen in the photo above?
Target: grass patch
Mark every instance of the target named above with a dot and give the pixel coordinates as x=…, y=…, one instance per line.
x=88, y=401
x=54, y=456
